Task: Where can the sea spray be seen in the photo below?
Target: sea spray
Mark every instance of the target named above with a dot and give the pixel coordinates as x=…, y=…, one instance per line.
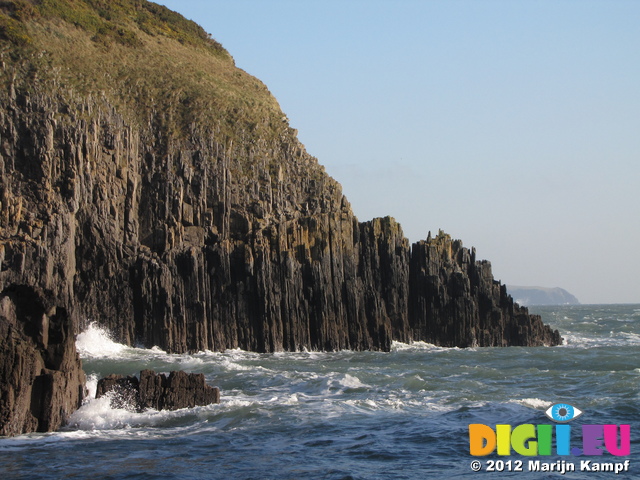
x=96, y=341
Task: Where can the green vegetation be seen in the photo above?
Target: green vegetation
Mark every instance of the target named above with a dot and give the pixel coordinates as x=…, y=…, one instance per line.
x=108, y=20
x=12, y=16
x=155, y=66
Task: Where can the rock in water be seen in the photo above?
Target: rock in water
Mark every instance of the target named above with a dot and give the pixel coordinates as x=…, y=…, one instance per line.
x=123, y=391
x=179, y=390
x=157, y=391
x=41, y=377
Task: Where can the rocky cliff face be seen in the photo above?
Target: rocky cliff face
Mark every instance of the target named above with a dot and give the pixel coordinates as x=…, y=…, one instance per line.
x=188, y=215
x=177, y=248
x=447, y=282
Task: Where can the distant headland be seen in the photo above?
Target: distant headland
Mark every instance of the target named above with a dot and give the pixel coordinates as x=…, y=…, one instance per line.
x=529, y=296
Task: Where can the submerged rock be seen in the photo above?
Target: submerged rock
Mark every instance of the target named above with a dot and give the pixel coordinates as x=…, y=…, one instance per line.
x=157, y=391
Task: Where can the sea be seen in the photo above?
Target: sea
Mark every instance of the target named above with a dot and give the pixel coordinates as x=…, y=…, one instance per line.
x=403, y=414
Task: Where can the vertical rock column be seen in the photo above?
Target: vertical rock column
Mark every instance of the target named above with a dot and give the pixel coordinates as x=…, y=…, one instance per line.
x=455, y=301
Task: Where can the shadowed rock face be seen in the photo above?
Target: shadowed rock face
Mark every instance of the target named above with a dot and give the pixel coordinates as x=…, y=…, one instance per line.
x=121, y=205
x=41, y=377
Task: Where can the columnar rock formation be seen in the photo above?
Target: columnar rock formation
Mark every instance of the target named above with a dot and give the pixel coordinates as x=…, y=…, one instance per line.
x=153, y=187
x=447, y=282
x=175, y=248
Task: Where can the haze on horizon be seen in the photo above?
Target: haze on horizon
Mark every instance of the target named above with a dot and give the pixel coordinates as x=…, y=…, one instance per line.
x=510, y=125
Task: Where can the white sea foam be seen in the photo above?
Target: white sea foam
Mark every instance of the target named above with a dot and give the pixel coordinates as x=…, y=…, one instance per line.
x=99, y=414
x=396, y=403
x=96, y=341
x=236, y=402
x=573, y=340
x=536, y=403
x=337, y=384
x=349, y=381
x=92, y=386
x=400, y=346
x=633, y=338
x=292, y=400
x=611, y=339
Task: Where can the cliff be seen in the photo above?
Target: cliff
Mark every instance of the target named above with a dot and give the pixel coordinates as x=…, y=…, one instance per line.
x=151, y=186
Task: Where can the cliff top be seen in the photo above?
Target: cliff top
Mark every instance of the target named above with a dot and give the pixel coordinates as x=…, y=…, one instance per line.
x=143, y=57
x=113, y=21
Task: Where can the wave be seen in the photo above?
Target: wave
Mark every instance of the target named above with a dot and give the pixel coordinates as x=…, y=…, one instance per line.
x=422, y=346
x=336, y=384
x=99, y=414
x=97, y=342
x=613, y=339
x=92, y=386
x=416, y=378
x=535, y=403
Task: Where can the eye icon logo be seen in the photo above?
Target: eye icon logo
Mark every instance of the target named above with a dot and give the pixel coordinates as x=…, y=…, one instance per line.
x=563, y=412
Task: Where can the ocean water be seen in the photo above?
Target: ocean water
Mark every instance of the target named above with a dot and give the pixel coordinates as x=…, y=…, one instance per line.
x=348, y=415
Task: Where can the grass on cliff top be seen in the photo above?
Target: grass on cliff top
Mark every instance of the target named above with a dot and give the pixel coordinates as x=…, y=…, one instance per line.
x=162, y=68
x=106, y=20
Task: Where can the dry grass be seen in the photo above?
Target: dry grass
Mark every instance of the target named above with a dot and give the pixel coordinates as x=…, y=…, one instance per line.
x=150, y=62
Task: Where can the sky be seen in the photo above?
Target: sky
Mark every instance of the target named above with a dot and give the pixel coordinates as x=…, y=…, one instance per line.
x=514, y=126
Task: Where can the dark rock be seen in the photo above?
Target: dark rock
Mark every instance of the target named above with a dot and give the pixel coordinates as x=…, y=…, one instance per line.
x=124, y=391
x=179, y=390
x=454, y=301
x=41, y=377
x=157, y=391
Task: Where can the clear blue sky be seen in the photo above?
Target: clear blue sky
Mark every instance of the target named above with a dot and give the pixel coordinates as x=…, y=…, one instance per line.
x=512, y=125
